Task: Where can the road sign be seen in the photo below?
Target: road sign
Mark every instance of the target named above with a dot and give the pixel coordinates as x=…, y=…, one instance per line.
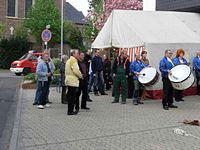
x=46, y=35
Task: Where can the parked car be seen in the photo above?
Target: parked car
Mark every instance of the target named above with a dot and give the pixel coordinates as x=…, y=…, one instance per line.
x=26, y=64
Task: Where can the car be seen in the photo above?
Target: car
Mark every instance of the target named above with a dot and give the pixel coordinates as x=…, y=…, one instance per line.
x=26, y=64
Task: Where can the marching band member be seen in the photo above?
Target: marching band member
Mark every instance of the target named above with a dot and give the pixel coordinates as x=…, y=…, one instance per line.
x=166, y=65
x=196, y=66
x=136, y=67
x=177, y=61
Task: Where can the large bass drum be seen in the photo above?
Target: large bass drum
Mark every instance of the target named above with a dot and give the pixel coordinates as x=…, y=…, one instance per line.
x=182, y=77
x=148, y=76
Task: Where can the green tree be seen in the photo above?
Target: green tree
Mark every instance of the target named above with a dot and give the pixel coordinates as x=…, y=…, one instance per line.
x=44, y=13
x=2, y=27
x=72, y=36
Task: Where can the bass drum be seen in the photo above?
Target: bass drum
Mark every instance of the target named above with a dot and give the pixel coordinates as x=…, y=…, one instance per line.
x=182, y=77
x=148, y=76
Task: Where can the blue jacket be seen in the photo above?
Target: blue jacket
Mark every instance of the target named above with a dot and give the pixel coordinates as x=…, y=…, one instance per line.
x=165, y=65
x=196, y=65
x=41, y=71
x=136, y=66
x=97, y=64
x=176, y=61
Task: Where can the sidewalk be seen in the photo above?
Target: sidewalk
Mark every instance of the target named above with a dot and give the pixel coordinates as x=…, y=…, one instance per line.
x=107, y=126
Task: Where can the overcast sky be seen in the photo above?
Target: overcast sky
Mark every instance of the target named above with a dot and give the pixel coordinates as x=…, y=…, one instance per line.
x=82, y=5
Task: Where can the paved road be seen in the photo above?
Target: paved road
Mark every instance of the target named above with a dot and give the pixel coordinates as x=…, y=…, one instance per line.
x=107, y=126
x=9, y=86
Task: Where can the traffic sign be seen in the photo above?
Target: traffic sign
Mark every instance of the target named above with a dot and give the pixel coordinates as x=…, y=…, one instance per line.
x=46, y=35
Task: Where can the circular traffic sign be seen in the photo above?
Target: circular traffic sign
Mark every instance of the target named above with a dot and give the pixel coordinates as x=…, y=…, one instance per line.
x=46, y=35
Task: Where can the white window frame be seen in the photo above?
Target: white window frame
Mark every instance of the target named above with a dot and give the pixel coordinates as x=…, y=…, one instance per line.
x=16, y=10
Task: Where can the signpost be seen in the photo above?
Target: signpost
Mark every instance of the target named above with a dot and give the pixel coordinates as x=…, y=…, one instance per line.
x=46, y=36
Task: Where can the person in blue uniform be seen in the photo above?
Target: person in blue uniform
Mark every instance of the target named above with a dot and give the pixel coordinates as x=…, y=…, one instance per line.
x=196, y=66
x=177, y=61
x=165, y=67
x=135, y=68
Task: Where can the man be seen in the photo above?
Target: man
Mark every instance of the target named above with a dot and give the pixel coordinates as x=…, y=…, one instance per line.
x=120, y=72
x=166, y=65
x=135, y=68
x=64, y=59
x=82, y=84
x=43, y=77
x=97, y=69
x=196, y=66
x=72, y=76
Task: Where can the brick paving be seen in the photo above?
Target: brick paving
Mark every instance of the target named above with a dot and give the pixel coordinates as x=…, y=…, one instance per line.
x=107, y=126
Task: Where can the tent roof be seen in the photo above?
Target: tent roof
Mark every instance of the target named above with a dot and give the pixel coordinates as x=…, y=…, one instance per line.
x=129, y=28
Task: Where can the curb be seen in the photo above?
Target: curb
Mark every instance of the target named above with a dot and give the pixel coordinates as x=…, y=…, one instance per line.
x=15, y=133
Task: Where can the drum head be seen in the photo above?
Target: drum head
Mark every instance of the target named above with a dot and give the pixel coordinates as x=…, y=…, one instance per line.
x=179, y=73
x=148, y=74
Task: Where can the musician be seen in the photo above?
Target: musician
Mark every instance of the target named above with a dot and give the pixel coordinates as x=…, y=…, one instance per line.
x=196, y=66
x=120, y=71
x=135, y=68
x=146, y=62
x=177, y=61
x=166, y=65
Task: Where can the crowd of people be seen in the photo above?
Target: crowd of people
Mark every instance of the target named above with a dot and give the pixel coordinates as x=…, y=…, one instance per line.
x=81, y=73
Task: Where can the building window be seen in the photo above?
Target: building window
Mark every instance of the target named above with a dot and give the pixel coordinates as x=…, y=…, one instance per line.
x=12, y=8
x=28, y=4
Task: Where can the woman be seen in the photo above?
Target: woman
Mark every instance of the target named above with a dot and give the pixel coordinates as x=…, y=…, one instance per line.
x=177, y=61
x=107, y=71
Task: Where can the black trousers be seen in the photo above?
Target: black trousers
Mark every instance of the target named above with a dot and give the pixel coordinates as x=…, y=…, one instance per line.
x=71, y=97
x=83, y=88
x=198, y=85
x=45, y=87
x=178, y=94
x=64, y=95
x=167, y=92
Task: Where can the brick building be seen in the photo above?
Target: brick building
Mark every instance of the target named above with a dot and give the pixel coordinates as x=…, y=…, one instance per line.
x=178, y=5
x=12, y=12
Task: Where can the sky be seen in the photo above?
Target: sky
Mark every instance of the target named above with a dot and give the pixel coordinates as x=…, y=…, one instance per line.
x=82, y=5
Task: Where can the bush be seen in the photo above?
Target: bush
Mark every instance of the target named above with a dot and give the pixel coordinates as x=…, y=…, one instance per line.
x=12, y=49
x=31, y=77
x=56, y=62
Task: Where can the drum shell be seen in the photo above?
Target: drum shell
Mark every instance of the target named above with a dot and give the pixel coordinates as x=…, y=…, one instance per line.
x=185, y=84
x=182, y=82
x=150, y=78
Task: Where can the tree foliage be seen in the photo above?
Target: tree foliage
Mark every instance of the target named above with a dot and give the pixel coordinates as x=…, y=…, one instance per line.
x=72, y=36
x=12, y=49
x=99, y=15
x=2, y=27
x=44, y=13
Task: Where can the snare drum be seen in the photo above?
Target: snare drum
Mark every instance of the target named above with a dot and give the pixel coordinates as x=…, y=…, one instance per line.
x=182, y=77
x=148, y=76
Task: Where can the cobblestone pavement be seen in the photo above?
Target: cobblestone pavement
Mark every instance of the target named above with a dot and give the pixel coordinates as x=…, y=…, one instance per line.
x=107, y=126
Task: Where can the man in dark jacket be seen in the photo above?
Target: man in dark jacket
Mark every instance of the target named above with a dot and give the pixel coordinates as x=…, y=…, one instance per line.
x=97, y=69
x=64, y=59
x=82, y=84
x=120, y=72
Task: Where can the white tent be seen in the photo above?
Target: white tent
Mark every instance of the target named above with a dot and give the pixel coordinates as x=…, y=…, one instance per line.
x=154, y=30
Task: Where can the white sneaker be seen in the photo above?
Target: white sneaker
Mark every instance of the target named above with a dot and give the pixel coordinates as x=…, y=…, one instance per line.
x=40, y=107
x=47, y=105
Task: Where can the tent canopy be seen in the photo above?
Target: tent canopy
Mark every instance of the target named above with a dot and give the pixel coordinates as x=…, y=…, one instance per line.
x=129, y=28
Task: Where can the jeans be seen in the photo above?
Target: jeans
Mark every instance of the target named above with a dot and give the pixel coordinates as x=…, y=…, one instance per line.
x=39, y=92
x=99, y=82
x=91, y=80
x=43, y=86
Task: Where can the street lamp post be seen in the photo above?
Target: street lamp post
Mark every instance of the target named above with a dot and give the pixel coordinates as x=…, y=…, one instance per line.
x=62, y=14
